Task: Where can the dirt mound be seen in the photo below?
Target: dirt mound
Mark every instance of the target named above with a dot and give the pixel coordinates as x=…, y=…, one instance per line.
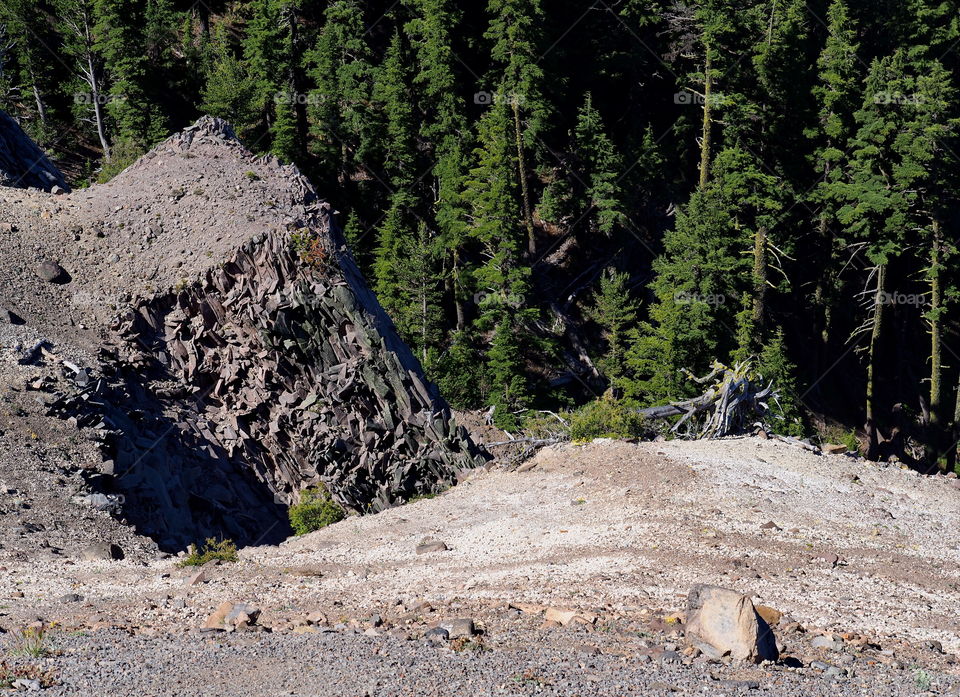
x=228, y=351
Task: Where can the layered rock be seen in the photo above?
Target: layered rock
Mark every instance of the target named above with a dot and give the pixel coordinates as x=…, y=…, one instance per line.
x=220, y=398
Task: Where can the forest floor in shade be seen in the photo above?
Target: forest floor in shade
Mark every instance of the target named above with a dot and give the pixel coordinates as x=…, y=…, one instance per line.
x=862, y=551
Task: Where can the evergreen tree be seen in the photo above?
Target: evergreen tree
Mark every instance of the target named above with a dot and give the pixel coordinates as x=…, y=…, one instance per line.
x=600, y=169
x=704, y=272
x=120, y=39
x=515, y=27
x=616, y=313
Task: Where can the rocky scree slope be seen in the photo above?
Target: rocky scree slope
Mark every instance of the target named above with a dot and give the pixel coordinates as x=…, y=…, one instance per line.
x=226, y=352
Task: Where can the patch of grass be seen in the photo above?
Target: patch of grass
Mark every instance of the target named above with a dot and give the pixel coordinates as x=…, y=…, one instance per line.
x=464, y=645
x=922, y=679
x=252, y=176
x=309, y=248
x=212, y=549
x=31, y=642
x=841, y=436
x=316, y=510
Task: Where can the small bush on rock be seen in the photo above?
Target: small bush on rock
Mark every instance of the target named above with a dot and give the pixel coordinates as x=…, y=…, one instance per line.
x=316, y=510
x=224, y=550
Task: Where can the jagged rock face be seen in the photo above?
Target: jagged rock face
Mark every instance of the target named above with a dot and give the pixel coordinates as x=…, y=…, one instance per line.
x=22, y=163
x=219, y=396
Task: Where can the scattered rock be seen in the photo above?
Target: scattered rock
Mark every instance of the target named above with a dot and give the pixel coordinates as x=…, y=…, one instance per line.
x=727, y=621
x=197, y=578
x=769, y=614
x=26, y=685
x=437, y=634
x=71, y=598
x=833, y=449
x=459, y=628
x=229, y=616
x=428, y=546
x=51, y=272
x=565, y=617
x=101, y=551
x=826, y=642
x=770, y=525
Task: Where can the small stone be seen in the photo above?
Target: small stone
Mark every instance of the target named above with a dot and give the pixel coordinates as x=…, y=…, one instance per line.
x=770, y=525
x=426, y=547
x=71, y=598
x=26, y=685
x=197, y=578
x=670, y=657
x=727, y=620
x=436, y=634
x=769, y=614
x=459, y=628
x=51, y=272
x=825, y=642
x=833, y=449
x=101, y=551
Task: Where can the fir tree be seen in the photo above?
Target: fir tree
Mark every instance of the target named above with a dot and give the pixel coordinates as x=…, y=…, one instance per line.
x=600, y=169
x=616, y=313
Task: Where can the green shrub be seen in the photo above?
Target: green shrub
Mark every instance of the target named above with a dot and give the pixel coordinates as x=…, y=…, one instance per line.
x=124, y=153
x=224, y=550
x=607, y=417
x=316, y=510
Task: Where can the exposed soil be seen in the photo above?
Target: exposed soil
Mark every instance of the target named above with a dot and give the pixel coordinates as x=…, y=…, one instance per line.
x=857, y=549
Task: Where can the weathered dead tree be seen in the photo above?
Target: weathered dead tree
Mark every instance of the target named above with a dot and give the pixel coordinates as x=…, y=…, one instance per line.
x=729, y=406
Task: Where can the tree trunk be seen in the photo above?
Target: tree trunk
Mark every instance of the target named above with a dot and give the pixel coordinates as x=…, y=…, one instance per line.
x=878, y=304
x=935, y=441
x=524, y=188
x=97, y=106
x=759, y=285
x=707, y=121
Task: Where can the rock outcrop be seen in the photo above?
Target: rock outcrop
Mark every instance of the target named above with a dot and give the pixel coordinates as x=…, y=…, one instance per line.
x=22, y=163
x=220, y=396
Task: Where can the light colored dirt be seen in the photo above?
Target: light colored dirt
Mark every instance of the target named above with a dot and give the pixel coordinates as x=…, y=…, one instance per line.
x=613, y=527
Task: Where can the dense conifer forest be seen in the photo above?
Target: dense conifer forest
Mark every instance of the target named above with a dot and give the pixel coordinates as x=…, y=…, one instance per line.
x=572, y=205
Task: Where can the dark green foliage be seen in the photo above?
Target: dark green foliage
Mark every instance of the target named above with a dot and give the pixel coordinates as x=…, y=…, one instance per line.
x=316, y=510
x=211, y=550
x=775, y=366
x=607, y=417
x=490, y=160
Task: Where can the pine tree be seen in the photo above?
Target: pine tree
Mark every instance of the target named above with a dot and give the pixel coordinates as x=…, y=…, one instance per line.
x=75, y=24
x=836, y=94
x=503, y=280
x=515, y=28
x=600, y=169
x=268, y=57
x=341, y=68
x=895, y=183
x=120, y=39
x=616, y=313
x=229, y=89
x=29, y=71
x=700, y=279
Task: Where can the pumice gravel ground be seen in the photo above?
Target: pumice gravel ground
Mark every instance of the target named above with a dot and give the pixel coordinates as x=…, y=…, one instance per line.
x=857, y=552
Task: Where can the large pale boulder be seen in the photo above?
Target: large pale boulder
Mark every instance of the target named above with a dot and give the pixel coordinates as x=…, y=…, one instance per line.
x=723, y=622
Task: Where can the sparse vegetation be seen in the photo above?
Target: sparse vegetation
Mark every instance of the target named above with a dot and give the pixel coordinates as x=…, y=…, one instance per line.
x=212, y=549
x=31, y=642
x=316, y=510
x=10, y=674
x=310, y=248
x=607, y=417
